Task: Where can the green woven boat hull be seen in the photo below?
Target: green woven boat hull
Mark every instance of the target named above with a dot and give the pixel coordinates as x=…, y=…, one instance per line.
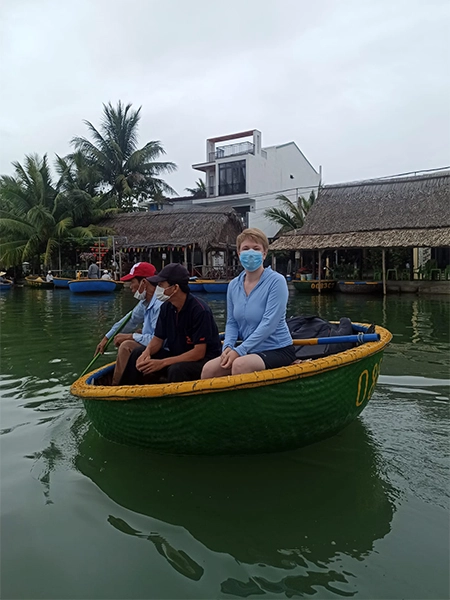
x=269, y=418
x=312, y=286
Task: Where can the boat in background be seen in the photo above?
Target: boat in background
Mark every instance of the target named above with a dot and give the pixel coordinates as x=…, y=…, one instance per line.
x=94, y=286
x=37, y=282
x=61, y=282
x=196, y=284
x=314, y=286
x=265, y=411
x=360, y=287
x=216, y=286
x=5, y=285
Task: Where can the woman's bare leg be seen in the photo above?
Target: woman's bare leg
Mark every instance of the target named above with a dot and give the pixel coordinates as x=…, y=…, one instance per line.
x=213, y=369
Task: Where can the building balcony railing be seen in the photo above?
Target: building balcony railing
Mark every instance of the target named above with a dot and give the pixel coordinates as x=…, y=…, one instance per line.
x=228, y=189
x=232, y=150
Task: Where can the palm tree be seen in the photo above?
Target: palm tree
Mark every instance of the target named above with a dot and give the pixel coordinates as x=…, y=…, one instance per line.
x=292, y=214
x=36, y=215
x=125, y=169
x=199, y=191
x=79, y=183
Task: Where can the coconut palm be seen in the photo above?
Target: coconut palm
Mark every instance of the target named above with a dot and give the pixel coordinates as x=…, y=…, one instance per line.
x=199, y=191
x=126, y=170
x=35, y=215
x=79, y=183
x=291, y=215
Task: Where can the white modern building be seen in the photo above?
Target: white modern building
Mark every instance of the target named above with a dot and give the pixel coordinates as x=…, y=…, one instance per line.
x=249, y=177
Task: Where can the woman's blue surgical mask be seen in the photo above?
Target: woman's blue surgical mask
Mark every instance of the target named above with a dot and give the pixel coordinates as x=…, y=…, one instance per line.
x=251, y=260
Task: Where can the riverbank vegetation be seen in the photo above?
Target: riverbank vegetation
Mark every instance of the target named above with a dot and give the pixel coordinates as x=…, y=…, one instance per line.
x=45, y=213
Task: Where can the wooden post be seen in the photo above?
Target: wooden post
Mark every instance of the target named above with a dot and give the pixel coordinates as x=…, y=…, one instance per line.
x=185, y=257
x=192, y=260
x=274, y=262
x=383, y=268
x=320, y=270
x=204, y=264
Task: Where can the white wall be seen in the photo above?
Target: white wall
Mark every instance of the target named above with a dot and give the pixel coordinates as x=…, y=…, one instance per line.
x=268, y=177
x=273, y=175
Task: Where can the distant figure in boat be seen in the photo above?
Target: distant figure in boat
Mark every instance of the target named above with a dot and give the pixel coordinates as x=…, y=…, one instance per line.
x=106, y=274
x=145, y=314
x=256, y=314
x=49, y=277
x=93, y=271
x=186, y=335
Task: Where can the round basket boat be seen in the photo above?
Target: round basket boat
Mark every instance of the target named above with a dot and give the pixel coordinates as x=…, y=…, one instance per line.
x=314, y=286
x=360, y=287
x=266, y=411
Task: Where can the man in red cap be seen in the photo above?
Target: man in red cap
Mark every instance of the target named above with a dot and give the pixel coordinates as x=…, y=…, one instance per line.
x=186, y=335
x=145, y=313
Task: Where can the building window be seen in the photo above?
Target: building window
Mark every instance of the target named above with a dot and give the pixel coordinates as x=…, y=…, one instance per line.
x=232, y=178
x=211, y=184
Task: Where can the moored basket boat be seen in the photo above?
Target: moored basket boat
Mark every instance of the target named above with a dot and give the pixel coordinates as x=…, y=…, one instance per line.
x=5, y=285
x=360, y=287
x=61, y=282
x=94, y=286
x=215, y=286
x=37, y=282
x=313, y=286
x=267, y=411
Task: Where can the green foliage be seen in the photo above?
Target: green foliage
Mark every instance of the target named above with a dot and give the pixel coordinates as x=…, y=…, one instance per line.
x=37, y=215
x=126, y=170
x=199, y=191
x=101, y=177
x=291, y=215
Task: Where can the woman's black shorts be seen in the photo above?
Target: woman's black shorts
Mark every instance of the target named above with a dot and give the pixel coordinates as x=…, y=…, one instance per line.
x=281, y=357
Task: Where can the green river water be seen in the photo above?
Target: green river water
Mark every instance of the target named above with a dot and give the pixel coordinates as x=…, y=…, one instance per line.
x=363, y=514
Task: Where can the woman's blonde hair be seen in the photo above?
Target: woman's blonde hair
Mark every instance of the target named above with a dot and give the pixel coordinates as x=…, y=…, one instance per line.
x=256, y=235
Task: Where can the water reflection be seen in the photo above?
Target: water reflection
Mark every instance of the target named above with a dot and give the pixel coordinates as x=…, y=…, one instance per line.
x=264, y=511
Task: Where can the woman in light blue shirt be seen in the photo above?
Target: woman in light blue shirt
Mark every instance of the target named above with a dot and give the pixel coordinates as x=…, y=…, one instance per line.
x=256, y=315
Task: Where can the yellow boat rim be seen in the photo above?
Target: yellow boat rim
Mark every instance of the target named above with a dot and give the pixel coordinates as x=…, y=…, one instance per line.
x=307, y=368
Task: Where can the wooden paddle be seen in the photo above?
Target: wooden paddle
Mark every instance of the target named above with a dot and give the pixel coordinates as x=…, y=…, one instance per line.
x=359, y=338
x=119, y=329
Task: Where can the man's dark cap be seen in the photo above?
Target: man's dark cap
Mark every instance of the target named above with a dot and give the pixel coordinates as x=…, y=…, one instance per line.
x=172, y=273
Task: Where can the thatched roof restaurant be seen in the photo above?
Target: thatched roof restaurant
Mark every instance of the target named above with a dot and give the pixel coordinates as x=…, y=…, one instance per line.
x=204, y=228
x=386, y=213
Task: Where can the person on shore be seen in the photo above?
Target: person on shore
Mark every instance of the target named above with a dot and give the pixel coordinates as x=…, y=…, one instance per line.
x=93, y=271
x=106, y=275
x=144, y=314
x=49, y=277
x=186, y=335
x=256, y=314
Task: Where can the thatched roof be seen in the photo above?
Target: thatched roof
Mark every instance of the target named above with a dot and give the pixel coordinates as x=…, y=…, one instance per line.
x=403, y=211
x=206, y=227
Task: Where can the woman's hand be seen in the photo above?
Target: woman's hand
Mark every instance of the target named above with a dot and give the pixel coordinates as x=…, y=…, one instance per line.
x=228, y=357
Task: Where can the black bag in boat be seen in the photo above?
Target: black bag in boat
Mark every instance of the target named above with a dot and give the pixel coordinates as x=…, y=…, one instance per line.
x=311, y=326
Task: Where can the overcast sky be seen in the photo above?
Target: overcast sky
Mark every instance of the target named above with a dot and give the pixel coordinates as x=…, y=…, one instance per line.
x=362, y=86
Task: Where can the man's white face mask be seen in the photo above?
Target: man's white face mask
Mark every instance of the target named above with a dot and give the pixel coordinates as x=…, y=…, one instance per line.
x=140, y=295
x=160, y=295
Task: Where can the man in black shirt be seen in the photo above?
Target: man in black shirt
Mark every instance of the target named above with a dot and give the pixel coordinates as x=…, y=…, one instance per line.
x=186, y=335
